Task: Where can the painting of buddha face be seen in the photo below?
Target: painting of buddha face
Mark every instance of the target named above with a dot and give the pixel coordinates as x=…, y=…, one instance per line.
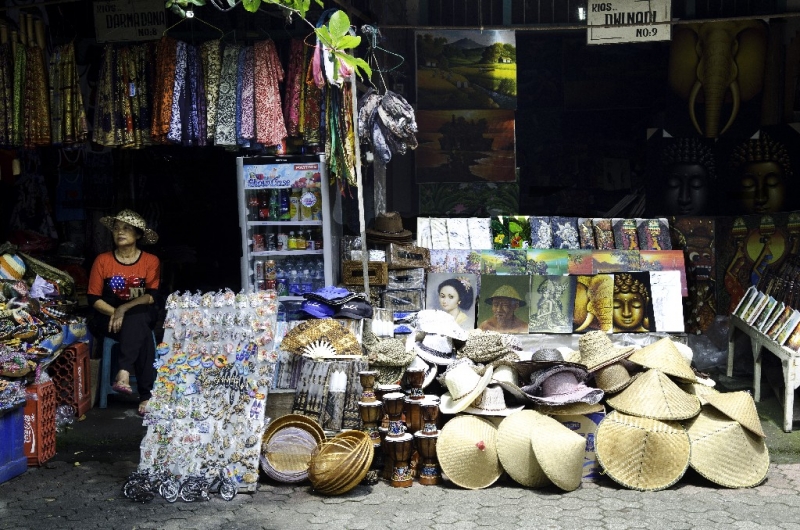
x=763, y=170
x=632, y=304
x=688, y=172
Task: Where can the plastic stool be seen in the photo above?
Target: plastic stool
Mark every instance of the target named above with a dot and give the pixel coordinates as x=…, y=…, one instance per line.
x=105, y=371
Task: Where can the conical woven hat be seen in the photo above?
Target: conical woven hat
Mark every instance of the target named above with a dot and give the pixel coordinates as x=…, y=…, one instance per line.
x=663, y=355
x=642, y=453
x=559, y=450
x=699, y=390
x=739, y=406
x=613, y=378
x=725, y=452
x=467, y=451
x=515, y=450
x=654, y=395
x=598, y=351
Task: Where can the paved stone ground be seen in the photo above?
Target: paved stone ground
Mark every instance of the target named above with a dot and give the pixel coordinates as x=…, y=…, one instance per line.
x=81, y=488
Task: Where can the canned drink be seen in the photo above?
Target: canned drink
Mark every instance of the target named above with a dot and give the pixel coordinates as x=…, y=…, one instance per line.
x=282, y=286
x=270, y=285
x=259, y=270
x=260, y=285
x=270, y=269
x=283, y=241
x=258, y=243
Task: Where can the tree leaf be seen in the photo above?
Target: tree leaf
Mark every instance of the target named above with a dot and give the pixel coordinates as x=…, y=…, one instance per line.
x=339, y=25
x=251, y=5
x=324, y=36
x=347, y=42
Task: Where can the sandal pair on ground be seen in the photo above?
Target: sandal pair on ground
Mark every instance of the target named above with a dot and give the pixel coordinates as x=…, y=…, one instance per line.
x=123, y=386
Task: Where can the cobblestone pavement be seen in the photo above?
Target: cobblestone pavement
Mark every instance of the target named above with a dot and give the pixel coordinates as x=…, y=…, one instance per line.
x=63, y=495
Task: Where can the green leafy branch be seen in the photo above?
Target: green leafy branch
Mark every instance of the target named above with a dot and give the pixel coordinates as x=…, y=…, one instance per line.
x=335, y=35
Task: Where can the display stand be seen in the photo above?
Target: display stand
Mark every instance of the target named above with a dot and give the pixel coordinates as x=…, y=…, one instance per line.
x=789, y=363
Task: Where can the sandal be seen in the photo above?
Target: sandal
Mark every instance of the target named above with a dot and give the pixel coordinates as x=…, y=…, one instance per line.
x=143, y=408
x=122, y=387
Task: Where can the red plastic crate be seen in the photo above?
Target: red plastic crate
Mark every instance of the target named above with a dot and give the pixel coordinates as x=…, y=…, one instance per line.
x=40, y=423
x=71, y=374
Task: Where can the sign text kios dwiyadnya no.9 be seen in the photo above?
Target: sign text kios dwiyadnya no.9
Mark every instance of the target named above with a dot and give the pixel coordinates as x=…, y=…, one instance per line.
x=615, y=21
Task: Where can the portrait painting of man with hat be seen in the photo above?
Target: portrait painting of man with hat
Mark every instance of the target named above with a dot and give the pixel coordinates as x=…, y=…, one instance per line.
x=505, y=310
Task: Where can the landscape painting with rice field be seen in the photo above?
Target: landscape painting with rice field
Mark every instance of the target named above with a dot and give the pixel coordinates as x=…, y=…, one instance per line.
x=466, y=70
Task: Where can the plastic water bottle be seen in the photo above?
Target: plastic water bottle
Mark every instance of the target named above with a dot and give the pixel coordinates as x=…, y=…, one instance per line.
x=306, y=282
x=318, y=282
x=294, y=283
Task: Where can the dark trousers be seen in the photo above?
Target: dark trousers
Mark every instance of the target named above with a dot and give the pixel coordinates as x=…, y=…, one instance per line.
x=137, y=351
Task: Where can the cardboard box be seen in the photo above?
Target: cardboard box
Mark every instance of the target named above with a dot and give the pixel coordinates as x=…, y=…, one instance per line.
x=586, y=426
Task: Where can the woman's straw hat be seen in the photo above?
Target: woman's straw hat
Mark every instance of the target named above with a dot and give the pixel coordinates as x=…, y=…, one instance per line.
x=740, y=407
x=515, y=450
x=598, y=351
x=725, y=452
x=663, y=355
x=467, y=451
x=559, y=451
x=134, y=219
x=491, y=402
x=654, y=395
x=613, y=378
x=642, y=453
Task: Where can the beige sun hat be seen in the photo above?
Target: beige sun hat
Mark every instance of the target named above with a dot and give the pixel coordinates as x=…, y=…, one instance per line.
x=642, y=453
x=654, y=395
x=613, y=378
x=515, y=450
x=467, y=452
x=597, y=350
x=559, y=451
x=507, y=377
x=663, y=355
x=726, y=453
x=740, y=407
x=570, y=409
x=135, y=220
x=491, y=402
x=463, y=386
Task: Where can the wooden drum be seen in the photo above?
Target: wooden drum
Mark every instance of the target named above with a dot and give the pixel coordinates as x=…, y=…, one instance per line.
x=399, y=449
x=429, y=470
x=413, y=412
x=393, y=403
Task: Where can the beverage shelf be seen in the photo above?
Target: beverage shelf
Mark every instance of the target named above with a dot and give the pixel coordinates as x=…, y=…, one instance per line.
x=284, y=223
x=287, y=253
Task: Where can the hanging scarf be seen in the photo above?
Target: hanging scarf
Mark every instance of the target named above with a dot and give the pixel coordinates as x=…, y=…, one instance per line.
x=36, y=120
x=246, y=130
x=312, y=98
x=226, y=101
x=104, y=108
x=239, y=79
x=19, y=87
x=140, y=60
x=70, y=122
x=270, y=127
x=210, y=51
x=197, y=98
x=164, y=84
x=294, y=87
x=174, y=134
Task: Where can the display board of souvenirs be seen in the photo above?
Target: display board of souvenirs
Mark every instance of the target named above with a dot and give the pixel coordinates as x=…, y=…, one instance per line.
x=215, y=366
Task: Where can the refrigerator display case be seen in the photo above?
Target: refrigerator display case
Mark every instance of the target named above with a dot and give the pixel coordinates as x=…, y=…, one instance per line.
x=285, y=218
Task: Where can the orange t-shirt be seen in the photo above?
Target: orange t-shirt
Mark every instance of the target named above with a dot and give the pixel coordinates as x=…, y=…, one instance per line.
x=116, y=283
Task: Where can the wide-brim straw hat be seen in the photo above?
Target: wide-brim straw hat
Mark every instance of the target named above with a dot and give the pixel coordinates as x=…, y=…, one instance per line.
x=467, y=452
x=491, y=402
x=507, y=377
x=441, y=323
x=726, y=453
x=134, y=219
x=642, y=453
x=341, y=463
x=560, y=385
x=613, y=378
x=597, y=350
x=463, y=386
x=515, y=450
x=434, y=348
x=740, y=407
x=663, y=355
x=570, y=409
x=655, y=395
x=329, y=330
x=559, y=451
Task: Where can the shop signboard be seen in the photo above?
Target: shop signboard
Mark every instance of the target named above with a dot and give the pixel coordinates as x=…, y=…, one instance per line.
x=616, y=21
x=129, y=20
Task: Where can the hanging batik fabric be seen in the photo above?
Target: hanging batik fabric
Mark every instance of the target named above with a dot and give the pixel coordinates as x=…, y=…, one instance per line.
x=174, y=134
x=67, y=114
x=163, y=85
x=210, y=52
x=311, y=112
x=226, y=100
x=6, y=98
x=270, y=127
x=19, y=87
x=36, y=119
x=294, y=87
x=136, y=89
x=195, y=88
x=245, y=131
